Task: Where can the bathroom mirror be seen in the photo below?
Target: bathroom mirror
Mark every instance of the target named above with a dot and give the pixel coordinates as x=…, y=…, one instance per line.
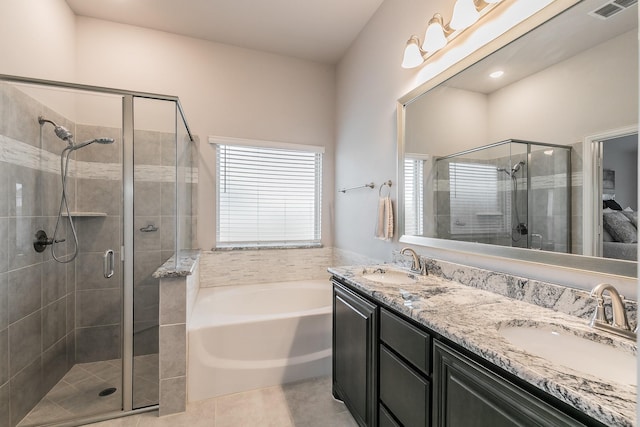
x=570, y=83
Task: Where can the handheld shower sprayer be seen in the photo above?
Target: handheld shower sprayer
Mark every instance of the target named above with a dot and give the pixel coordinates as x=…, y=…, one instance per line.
x=66, y=135
x=91, y=141
x=513, y=170
x=517, y=167
x=521, y=228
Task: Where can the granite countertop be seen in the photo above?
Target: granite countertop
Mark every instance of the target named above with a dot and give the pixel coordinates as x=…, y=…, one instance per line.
x=183, y=268
x=471, y=317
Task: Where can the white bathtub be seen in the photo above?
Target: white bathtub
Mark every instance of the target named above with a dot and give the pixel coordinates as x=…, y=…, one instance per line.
x=252, y=336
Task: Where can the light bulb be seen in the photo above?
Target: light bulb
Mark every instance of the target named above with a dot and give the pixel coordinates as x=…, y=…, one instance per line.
x=412, y=53
x=465, y=14
x=434, y=38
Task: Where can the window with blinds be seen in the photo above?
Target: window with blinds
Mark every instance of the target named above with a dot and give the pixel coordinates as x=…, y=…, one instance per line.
x=268, y=196
x=478, y=200
x=413, y=196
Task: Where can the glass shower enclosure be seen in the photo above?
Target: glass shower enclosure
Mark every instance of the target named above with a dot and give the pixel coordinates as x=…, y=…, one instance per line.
x=96, y=190
x=512, y=193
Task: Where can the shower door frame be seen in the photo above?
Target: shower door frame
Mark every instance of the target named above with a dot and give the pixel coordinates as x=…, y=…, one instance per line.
x=592, y=182
x=127, y=250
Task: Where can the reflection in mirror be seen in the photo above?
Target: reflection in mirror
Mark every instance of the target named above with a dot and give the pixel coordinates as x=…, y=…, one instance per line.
x=513, y=193
x=470, y=173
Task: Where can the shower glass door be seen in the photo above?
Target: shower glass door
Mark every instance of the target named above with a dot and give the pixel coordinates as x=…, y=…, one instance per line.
x=154, y=158
x=60, y=336
x=550, y=198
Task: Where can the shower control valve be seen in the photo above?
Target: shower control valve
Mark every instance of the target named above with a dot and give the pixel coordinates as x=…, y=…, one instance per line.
x=42, y=241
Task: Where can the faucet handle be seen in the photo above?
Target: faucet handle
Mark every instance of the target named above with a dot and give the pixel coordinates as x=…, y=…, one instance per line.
x=423, y=267
x=599, y=315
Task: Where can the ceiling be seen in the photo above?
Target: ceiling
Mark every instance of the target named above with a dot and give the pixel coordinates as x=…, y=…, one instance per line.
x=317, y=30
x=557, y=40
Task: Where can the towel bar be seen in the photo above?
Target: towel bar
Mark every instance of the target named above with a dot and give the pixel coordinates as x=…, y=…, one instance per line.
x=370, y=185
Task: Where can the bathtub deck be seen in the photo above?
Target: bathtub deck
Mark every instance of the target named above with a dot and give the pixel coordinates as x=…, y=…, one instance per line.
x=306, y=403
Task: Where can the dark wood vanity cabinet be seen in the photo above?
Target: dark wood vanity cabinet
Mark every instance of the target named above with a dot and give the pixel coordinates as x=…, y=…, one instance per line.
x=404, y=371
x=467, y=394
x=355, y=342
x=392, y=372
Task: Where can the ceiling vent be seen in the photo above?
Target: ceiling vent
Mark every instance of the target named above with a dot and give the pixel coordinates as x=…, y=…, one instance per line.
x=609, y=9
x=625, y=3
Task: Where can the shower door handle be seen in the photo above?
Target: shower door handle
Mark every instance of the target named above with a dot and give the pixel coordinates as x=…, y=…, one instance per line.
x=108, y=263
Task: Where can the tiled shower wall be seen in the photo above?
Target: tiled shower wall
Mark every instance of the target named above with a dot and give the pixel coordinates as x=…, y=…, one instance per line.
x=37, y=294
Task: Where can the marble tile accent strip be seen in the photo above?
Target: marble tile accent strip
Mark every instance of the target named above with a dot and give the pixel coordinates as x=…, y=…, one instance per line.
x=242, y=267
x=472, y=318
x=18, y=153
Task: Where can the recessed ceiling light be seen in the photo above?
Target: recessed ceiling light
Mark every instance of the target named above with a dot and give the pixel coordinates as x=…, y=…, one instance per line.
x=496, y=74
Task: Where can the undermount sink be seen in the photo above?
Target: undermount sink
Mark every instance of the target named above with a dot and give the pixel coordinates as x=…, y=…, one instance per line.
x=569, y=349
x=391, y=277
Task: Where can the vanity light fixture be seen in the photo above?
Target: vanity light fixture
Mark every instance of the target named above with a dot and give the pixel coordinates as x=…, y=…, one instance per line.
x=438, y=34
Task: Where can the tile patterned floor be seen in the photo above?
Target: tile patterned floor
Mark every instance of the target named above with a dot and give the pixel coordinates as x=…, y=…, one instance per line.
x=302, y=404
x=76, y=394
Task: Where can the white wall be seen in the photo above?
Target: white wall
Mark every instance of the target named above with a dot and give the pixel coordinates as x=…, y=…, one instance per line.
x=447, y=121
x=369, y=83
x=37, y=39
x=225, y=91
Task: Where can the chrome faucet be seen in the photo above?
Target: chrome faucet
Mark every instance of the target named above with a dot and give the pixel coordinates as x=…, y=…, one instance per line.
x=619, y=324
x=418, y=265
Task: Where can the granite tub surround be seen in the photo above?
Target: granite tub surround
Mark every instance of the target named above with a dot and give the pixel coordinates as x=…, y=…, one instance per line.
x=471, y=317
x=185, y=266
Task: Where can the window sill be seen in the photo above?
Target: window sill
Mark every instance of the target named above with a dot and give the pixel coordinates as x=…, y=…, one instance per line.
x=260, y=248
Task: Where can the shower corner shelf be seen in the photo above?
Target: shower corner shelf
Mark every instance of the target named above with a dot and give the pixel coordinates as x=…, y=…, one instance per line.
x=85, y=214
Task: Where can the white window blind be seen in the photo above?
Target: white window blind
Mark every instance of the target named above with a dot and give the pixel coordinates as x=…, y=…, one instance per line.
x=268, y=196
x=413, y=196
x=477, y=206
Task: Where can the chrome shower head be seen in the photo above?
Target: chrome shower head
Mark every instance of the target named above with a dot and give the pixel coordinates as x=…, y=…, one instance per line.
x=61, y=132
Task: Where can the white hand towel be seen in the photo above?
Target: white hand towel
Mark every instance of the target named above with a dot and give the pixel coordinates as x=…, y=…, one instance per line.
x=384, y=225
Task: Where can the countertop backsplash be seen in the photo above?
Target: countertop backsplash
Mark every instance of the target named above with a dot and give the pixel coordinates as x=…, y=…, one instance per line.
x=574, y=302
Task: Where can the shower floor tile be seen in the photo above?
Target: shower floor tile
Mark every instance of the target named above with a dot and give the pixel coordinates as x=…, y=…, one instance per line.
x=306, y=403
x=77, y=393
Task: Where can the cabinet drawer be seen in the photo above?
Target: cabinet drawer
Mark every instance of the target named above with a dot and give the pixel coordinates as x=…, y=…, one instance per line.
x=403, y=390
x=465, y=392
x=406, y=340
x=385, y=419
